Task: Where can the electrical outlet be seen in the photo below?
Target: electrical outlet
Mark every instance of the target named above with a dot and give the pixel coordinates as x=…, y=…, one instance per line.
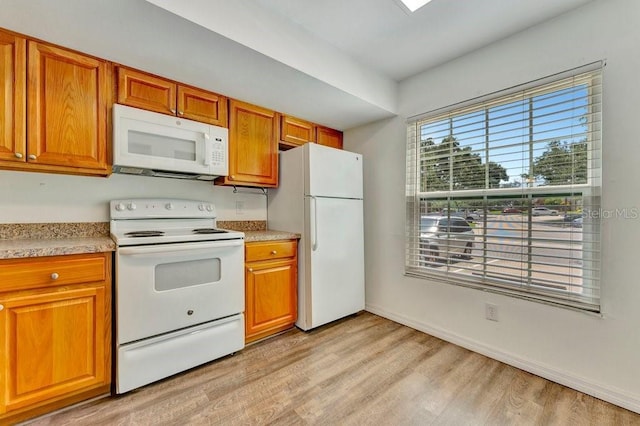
x=239, y=207
x=491, y=312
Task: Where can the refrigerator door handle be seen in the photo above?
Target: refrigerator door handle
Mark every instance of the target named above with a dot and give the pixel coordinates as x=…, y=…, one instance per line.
x=314, y=223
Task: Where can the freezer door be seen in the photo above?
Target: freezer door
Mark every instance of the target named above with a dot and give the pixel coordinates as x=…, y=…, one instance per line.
x=334, y=269
x=332, y=172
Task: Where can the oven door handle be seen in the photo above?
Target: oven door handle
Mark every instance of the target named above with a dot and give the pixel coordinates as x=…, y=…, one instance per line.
x=170, y=248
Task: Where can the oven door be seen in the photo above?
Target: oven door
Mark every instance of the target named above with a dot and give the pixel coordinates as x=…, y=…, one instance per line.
x=166, y=287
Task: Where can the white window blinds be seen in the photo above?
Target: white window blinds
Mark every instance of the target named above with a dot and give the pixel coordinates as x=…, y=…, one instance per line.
x=522, y=169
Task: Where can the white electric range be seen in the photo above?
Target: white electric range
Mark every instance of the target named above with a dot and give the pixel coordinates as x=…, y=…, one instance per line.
x=179, y=288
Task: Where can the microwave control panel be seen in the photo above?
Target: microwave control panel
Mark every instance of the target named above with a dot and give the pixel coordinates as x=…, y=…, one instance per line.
x=219, y=140
x=218, y=153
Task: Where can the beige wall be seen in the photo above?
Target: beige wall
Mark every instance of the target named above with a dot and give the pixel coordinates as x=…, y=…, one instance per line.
x=44, y=197
x=598, y=355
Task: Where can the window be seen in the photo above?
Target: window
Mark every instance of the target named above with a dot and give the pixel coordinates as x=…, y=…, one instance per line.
x=517, y=176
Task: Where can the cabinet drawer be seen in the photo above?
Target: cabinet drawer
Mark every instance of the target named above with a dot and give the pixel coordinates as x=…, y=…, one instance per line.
x=270, y=250
x=20, y=274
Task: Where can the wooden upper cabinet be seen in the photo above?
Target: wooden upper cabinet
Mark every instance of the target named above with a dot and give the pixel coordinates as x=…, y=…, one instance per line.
x=295, y=132
x=67, y=99
x=329, y=137
x=253, y=146
x=200, y=105
x=142, y=90
x=13, y=63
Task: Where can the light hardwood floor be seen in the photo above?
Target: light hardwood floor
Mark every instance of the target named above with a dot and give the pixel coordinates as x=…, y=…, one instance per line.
x=364, y=370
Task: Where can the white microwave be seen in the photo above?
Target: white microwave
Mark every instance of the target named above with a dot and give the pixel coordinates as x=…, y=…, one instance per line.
x=152, y=144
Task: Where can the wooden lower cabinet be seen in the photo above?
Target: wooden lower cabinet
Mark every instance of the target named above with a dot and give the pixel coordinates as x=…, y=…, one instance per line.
x=271, y=287
x=55, y=332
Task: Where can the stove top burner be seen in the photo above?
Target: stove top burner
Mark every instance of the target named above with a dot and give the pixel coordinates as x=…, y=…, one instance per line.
x=136, y=234
x=208, y=231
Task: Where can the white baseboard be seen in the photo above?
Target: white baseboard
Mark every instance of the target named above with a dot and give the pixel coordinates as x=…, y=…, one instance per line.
x=609, y=394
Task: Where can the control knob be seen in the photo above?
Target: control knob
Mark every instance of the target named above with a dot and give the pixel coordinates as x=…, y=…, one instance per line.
x=131, y=206
x=168, y=206
x=119, y=207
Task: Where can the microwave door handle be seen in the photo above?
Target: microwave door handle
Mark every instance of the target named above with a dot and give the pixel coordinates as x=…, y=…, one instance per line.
x=208, y=149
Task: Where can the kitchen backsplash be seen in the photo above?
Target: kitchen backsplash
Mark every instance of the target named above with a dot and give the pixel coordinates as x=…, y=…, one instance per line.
x=50, y=198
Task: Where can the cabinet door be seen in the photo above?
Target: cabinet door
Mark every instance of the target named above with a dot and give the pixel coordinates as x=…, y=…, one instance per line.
x=67, y=110
x=271, y=302
x=13, y=73
x=200, y=105
x=294, y=131
x=253, y=146
x=329, y=137
x=142, y=90
x=52, y=344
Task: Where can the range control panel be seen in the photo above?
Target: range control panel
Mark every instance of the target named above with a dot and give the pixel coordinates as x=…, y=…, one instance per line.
x=158, y=208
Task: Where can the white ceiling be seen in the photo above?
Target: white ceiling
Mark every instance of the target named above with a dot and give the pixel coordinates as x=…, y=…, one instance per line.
x=333, y=62
x=385, y=36
x=364, y=48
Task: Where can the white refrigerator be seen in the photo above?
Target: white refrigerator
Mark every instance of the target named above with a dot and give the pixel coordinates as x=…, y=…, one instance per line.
x=320, y=197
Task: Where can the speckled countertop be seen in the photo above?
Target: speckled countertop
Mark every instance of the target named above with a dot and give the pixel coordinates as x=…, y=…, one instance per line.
x=269, y=235
x=53, y=239
x=256, y=230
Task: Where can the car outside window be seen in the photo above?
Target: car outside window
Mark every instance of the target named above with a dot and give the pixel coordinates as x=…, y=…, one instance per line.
x=459, y=225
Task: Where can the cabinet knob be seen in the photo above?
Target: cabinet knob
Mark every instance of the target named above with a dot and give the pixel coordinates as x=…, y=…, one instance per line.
x=274, y=252
x=32, y=157
x=173, y=111
x=1, y=307
x=181, y=112
x=231, y=177
x=18, y=155
x=55, y=276
x=250, y=269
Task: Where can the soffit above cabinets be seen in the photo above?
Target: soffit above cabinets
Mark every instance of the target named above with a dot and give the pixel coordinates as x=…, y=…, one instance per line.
x=332, y=62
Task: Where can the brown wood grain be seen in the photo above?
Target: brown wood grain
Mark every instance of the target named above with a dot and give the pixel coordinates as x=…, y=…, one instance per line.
x=55, y=344
x=364, y=370
x=67, y=99
x=200, y=105
x=271, y=286
x=141, y=90
x=28, y=273
x=253, y=146
x=268, y=250
x=13, y=72
x=329, y=137
x=296, y=131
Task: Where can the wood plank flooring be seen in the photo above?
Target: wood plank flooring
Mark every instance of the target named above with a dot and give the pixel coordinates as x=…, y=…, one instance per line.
x=364, y=370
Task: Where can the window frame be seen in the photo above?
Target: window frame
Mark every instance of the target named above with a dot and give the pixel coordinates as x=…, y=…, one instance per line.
x=589, y=190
